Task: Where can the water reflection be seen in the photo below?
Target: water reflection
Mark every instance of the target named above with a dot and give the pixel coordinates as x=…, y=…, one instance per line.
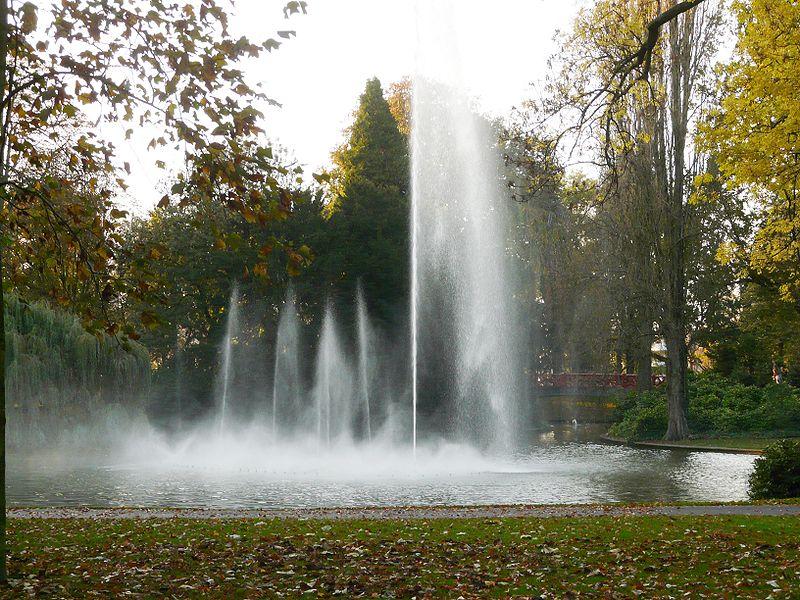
x=565, y=465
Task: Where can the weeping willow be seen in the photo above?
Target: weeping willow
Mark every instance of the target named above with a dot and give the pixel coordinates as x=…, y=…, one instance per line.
x=63, y=383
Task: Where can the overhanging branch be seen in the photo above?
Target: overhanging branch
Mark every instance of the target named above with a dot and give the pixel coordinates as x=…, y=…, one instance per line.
x=642, y=58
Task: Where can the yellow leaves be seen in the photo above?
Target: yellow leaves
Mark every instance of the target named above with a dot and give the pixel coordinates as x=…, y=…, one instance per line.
x=726, y=253
x=760, y=109
x=82, y=271
x=261, y=270
x=298, y=259
x=703, y=179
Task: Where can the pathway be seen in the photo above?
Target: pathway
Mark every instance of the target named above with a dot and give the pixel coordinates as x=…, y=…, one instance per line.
x=428, y=512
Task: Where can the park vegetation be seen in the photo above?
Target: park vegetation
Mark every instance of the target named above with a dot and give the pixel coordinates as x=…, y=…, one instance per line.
x=676, y=251
x=679, y=254
x=594, y=557
x=718, y=408
x=776, y=474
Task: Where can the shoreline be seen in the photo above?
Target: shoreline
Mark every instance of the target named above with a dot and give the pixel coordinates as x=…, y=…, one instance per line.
x=688, y=447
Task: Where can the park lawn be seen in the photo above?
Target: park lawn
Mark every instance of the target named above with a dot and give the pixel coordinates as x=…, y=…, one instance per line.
x=739, y=443
x=733, y=442
x=604, y=557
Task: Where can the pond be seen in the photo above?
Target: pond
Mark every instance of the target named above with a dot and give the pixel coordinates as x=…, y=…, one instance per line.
x=559, y=466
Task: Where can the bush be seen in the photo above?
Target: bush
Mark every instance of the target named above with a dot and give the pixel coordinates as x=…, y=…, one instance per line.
x=776, y=473
x=717, y=406
x=641, y=416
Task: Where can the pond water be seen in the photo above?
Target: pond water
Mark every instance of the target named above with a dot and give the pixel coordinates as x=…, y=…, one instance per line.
x=558, y=467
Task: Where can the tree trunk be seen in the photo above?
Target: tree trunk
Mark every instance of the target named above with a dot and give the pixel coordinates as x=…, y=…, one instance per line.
x=3, y=574
x=644, y=363
x=677, y=396
x=3, y=93
x=674, y=324
x=630, y=366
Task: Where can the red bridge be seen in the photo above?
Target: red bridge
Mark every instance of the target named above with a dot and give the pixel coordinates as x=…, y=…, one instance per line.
x=591, y=381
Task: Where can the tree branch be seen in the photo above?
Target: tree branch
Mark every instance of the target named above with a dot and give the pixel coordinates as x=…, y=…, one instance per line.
x=642, y=58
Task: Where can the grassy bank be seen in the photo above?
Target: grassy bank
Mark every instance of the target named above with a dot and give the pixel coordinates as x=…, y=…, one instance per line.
x=716, y=443
x=604, y=557
x=739, y=443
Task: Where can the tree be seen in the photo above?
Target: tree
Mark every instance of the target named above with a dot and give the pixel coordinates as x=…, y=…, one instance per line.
x=755, y=134
x=399, y=100
x=648, y=120
x=58, y=373
x=204, y=249
x=368, y=211
x=172, y=66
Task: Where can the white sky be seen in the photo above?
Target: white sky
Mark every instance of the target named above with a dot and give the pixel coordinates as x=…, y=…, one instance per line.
x=318, y=76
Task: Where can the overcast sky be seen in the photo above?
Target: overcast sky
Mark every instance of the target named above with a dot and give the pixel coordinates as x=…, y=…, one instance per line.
x=318, y=76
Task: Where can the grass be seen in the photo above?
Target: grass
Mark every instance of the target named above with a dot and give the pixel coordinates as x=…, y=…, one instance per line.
x=604, y=557
x=740, y=443
x=734, y=442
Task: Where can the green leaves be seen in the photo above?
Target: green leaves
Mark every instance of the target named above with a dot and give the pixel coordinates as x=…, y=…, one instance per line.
x=294, y=7
x=28, y=17
x=149, y=319
x=271, y=45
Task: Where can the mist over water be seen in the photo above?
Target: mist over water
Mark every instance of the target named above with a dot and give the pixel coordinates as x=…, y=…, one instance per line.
x=317, y=451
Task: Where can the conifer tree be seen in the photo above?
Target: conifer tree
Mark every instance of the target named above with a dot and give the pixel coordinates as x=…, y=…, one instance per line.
x=369, y=208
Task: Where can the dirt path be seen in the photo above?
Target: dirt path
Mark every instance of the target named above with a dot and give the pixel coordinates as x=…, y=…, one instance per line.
x=445, y=512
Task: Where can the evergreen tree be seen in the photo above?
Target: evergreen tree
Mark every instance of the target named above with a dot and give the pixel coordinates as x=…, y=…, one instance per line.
x=369, y=209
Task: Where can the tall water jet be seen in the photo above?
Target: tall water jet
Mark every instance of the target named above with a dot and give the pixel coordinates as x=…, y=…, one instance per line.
x=180, y=369
x=231, y=327
x=286, y=384
x=365, y=351
x=466, y=356
x=333, y=387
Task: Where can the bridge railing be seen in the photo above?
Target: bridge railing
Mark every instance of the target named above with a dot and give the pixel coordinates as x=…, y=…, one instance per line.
x=592, y=380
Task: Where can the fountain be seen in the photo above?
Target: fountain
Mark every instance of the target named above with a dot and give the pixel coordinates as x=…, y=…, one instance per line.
x=465, y=350
x=287, y=388
x=364, y=355
x=333, y=385
x=231, y=327
x=465, y=356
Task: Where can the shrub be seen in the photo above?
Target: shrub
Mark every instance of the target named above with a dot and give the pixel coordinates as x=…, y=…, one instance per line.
x=717, y=406
x=642, y=416
x=776, y=473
